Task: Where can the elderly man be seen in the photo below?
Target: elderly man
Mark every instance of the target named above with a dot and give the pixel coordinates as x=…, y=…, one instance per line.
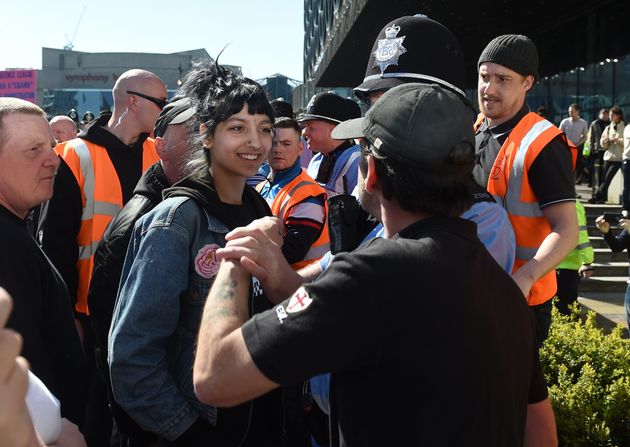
x=420, y=181
x=42, y=313
x=63, y=128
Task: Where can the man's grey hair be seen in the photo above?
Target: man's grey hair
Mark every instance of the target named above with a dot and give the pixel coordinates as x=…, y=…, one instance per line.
x=15, y=105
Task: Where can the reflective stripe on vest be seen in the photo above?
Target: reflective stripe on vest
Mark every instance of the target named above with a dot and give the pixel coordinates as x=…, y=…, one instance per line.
x=512, y=202
x=101, y=197
x=342, y=175
x=509, y=184
x=294, y=192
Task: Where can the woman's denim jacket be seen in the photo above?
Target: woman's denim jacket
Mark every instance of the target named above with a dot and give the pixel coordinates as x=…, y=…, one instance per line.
x=168, y=272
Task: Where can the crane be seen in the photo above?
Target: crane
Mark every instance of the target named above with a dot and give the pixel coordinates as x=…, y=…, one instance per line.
x=70, y=45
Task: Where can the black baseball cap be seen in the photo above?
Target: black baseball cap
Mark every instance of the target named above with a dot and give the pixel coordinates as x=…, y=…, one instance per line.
x=414, y=123
x=330, y=107
x=177, y=111
x=414, y=49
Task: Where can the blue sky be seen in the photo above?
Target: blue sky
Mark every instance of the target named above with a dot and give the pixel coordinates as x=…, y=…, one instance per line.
x=264, y=37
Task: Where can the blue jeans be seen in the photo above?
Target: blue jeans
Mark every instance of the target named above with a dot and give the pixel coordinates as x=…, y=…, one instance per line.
x=625, y=195
x=626, y=303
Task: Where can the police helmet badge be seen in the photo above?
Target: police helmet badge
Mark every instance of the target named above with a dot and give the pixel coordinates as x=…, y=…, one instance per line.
x=390, y=48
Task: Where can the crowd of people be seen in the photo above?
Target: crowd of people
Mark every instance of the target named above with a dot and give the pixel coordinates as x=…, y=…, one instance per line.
x=162, y=301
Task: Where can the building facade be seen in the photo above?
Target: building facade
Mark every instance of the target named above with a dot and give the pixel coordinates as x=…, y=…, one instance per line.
x=84, y=81
x=584, y=46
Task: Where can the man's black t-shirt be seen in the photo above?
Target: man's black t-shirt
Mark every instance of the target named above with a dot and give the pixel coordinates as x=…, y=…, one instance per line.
x=551, y=174
x=429, y=341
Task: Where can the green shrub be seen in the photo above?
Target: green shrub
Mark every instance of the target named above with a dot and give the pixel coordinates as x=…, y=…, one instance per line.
x=588, y=373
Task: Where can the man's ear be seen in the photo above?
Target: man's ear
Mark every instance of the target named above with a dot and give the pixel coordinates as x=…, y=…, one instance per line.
x=528, y=83
x=160, y=147
x=371, y=178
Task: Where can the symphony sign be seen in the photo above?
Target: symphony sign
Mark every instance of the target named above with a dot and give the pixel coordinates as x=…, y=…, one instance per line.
x=90, y=77
x=19, y=84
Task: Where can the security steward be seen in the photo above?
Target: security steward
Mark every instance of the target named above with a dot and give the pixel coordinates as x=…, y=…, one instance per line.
x=527, y=164
x=295, y=198
x=98, y=173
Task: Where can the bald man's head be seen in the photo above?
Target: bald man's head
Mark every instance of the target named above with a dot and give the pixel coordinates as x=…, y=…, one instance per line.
x=137, y=80
x=63, y=128
x=138, y=95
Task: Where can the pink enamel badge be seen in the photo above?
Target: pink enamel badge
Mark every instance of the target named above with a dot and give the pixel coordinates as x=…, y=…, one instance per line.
x=206, y=262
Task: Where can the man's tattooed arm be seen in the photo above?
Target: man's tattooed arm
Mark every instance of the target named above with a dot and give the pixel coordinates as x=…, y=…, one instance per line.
x=224, y=372
x=226, y=306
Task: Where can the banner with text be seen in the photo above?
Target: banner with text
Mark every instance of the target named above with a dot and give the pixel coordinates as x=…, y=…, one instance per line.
x=19, y=84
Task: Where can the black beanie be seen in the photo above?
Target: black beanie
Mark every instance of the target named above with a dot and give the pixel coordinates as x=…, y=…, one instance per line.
x=514, y=51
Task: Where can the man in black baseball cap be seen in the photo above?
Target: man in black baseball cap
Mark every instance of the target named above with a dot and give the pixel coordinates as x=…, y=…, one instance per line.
x=335, y=164
x=172, y=134
x=526, y=163
x=360, y=320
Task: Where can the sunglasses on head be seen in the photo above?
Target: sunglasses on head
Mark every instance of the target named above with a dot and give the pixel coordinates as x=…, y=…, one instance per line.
x=161, y=103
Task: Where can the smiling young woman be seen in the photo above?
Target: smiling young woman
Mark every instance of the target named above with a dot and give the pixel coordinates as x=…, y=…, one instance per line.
x=171, y=265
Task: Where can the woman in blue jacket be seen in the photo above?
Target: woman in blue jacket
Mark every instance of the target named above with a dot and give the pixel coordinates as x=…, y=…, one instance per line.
x=171, y=265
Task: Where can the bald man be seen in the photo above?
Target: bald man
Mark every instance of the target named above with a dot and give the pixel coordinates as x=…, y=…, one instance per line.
x=97, y=176
x=63, y=128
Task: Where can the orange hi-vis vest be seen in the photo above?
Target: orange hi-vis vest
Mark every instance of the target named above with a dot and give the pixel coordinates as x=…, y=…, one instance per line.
x=301, y=188
x=509, y=184
x=101, y=195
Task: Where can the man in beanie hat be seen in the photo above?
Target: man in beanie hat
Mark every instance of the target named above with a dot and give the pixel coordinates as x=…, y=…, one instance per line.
x=335, y=164
x=526, y=163
x=172, y=133
x=367, y=304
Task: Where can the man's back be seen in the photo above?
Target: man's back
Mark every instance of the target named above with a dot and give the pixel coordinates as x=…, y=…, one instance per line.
x=428, y=328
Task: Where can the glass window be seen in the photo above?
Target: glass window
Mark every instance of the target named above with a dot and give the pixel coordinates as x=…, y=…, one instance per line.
x=622, y=82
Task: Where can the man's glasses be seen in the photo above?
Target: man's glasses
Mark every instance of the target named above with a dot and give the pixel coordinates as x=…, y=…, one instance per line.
x=161, y=103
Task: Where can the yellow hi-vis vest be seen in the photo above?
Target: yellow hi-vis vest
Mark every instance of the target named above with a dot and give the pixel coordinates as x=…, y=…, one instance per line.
x=101, y=197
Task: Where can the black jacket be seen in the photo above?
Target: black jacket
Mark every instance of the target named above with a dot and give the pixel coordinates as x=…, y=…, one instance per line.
x=108, y=264
x=110, y=253
x=42, y=315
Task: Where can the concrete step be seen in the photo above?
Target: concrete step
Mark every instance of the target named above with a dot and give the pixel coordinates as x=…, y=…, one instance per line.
x=604, y=255
x=611, y=268
x=604, y=284
x=598, y=241
x=594, y=210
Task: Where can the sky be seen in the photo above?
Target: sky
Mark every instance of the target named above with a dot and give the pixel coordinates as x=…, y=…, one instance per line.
x=263, y=37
